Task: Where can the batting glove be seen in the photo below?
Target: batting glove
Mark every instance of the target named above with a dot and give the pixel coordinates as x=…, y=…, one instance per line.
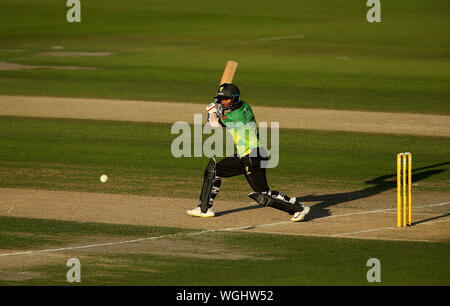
x=212, y=108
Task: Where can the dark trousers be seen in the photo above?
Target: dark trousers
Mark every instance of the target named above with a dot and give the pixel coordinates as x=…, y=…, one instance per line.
x=249, y=165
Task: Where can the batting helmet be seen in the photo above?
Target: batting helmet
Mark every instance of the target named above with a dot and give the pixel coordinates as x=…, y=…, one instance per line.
x=228, y=91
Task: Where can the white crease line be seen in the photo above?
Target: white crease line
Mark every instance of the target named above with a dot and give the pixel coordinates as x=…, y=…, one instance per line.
x=206, y=231
x=93, y=245
x=389, y=228
x=382, y=210
x=123, y=242
x=365, y=231
x=281, y=37
x=432, y=205
x=344, y=237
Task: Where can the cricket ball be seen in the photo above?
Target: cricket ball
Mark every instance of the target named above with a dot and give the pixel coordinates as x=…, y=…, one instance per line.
x=103, y=178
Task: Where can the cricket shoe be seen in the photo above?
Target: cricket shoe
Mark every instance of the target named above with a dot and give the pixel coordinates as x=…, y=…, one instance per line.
x=197, y=212
x=300, y=215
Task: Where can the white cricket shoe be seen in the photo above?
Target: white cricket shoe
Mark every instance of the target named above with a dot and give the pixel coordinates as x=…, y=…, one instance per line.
x=300, y=215
x=197, y=212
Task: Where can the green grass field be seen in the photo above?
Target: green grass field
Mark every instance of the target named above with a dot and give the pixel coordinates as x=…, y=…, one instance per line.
x=62, y=154
x=65, y=154
x=272, y=260
x=176, y=51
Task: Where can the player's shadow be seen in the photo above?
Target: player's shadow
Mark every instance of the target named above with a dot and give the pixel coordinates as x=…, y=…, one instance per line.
x=378, y=185
x=230, y=211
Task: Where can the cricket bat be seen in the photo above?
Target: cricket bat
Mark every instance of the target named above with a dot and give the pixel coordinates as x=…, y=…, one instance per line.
x=228, y=73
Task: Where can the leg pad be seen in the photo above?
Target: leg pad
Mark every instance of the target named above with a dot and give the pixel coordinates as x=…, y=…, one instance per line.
x=275, y=201
x=207, y=188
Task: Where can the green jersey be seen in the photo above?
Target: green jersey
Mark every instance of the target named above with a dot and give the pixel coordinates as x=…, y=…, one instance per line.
x=241, y=124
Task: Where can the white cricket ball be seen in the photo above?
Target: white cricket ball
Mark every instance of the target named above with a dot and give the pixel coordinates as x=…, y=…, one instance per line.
x=103, y=178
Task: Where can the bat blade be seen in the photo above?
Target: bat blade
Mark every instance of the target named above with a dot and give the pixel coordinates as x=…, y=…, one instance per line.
x=228, y=73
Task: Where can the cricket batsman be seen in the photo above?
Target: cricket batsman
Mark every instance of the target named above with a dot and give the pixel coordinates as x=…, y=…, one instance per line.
x=230, y=112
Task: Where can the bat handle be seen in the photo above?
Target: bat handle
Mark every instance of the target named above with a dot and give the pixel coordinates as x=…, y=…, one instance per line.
x=219, y=109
